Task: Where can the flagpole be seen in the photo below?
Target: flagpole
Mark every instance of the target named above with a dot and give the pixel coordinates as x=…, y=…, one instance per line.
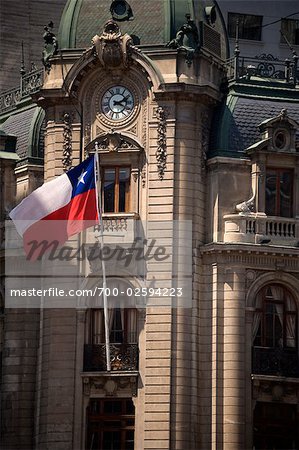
x=100, y=218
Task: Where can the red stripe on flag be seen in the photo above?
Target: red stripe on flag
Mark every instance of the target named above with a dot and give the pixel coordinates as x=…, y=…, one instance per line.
x=79, y=214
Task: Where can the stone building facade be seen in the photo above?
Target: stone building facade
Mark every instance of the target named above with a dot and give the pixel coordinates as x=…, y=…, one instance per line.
x=185, y=134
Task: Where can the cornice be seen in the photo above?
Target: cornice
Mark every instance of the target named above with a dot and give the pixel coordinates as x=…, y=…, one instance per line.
x=269, y=257
x=229, y=160
x=188, y=92
x=221, y=247
x=264, y=91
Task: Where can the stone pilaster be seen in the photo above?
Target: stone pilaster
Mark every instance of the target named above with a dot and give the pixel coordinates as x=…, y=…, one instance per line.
x=234, y=359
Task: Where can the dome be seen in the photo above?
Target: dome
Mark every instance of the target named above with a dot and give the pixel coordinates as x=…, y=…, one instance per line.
x=151, y=23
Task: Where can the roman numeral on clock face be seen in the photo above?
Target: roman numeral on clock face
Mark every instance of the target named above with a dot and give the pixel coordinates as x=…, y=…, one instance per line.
x=117, y=103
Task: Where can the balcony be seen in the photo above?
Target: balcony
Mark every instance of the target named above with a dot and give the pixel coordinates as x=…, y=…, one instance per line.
x=263, y=67
x=118, y=228
x=275, y=361
x=123, y=240
x=123, y=357
x=255, y=228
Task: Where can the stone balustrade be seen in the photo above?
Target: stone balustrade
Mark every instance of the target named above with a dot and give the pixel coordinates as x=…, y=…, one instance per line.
x=118, y=228
x=259, y=228
x=121, y=244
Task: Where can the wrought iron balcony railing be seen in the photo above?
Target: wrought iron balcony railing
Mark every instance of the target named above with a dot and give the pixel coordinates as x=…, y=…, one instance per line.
x=123, y=357
x=264, y=66
x=275, y=361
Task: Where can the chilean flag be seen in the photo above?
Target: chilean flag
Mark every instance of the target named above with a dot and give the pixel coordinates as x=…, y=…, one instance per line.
x=59, y=209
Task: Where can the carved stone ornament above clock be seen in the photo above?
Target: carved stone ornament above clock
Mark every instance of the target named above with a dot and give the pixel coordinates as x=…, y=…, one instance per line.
x=113, y=48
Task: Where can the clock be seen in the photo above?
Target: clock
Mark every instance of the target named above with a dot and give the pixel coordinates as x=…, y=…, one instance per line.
x=117, y=103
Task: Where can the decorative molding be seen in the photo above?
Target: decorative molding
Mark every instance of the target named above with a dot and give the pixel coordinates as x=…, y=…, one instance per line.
x=30, y=83
x=275, y=389
x=135, y=174
x=143, y=170
x=253, y=256
x=9, y=99
x=110, y=385
x=87, y=133
x=144, y=123
x=67, y=142
x=114, y=142
x=161, y=153
x=113, y=48
x=250, y=277
x=254, y=275
x=99, y=131
x=133, y=129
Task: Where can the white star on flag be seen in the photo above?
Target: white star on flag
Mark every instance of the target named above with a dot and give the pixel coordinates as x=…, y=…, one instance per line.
x=81, y=177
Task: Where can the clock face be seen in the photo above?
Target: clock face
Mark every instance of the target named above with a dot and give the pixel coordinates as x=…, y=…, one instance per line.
x=117, y=103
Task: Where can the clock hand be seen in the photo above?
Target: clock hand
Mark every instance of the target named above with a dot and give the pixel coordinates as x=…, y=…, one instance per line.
x=115, y=102
x=125, y=98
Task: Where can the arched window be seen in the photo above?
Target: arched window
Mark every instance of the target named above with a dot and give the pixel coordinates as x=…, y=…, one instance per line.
x=275, y=318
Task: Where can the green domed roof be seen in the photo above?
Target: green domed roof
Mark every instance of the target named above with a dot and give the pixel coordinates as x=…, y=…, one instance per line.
x=155, y=22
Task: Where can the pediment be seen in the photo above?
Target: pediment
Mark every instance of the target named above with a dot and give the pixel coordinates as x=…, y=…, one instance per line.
x=278, y=134
x=115, y=142
x=281, y=120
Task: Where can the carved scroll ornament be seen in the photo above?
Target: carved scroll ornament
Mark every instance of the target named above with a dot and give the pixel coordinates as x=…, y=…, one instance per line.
x=113, y=48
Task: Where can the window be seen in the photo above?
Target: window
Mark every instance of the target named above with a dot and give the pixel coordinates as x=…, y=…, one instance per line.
x=275, y=318
x=110, y=424
x=122, y=326
x=279, y=192
x=249, y=26
x=281, y=139
x=122, y=323
x=290, y=29
x=116, y=189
